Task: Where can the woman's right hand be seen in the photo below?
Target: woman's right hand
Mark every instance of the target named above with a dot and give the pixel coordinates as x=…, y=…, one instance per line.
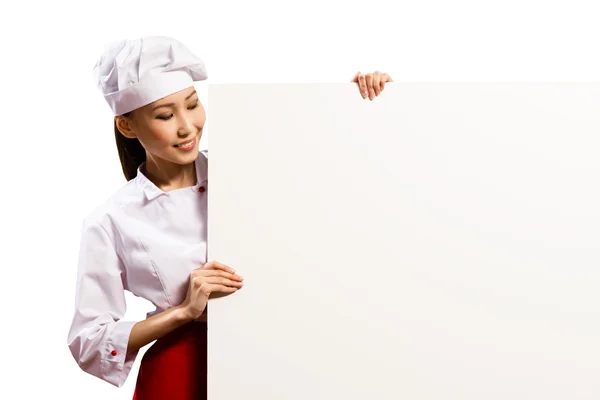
x=211, y=280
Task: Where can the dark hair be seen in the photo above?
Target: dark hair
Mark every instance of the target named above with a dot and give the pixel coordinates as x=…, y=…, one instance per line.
x=131, y=152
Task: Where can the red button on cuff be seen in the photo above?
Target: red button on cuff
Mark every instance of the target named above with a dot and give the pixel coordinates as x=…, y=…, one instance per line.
x=114, y=352
x=202, y=189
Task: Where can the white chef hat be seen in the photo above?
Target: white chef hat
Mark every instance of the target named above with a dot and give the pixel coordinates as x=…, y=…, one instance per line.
x=133, y=73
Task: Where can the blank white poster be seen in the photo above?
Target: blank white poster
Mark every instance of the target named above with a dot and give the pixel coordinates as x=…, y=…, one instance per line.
x=440, y=242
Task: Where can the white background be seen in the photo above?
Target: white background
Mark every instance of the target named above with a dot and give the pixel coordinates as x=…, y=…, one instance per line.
x=58, y=156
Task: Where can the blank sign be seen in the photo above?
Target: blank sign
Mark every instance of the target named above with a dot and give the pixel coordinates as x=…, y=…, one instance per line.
x=440, y=242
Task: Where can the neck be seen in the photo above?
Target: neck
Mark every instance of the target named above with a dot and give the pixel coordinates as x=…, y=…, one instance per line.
x=167, y=175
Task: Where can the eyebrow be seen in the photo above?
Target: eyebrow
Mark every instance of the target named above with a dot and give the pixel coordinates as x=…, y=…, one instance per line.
x=172, y=104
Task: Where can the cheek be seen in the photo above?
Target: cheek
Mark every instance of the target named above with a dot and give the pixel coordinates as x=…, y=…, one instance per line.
x=199, y=118
x=157, y=135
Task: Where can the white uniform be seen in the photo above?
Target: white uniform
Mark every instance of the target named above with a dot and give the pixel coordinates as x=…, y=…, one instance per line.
x=143, y=240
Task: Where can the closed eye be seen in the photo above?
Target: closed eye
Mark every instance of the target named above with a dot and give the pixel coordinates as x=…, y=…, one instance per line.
x=168, y=117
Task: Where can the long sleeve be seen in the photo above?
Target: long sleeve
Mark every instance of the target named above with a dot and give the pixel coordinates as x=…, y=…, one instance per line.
x=97, y=337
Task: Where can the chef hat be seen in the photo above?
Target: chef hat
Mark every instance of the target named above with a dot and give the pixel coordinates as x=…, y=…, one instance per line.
x=133, y=73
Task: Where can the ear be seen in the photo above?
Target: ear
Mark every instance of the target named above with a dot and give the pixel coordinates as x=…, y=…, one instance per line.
x=124, y=126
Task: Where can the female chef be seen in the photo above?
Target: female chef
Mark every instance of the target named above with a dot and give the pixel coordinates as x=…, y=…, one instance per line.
x=150, y=237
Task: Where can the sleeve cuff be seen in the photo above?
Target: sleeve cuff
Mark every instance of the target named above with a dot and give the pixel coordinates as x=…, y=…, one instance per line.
x=116, y=363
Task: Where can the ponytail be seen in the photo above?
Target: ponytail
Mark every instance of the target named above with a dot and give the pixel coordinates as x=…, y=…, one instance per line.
x=131, y=152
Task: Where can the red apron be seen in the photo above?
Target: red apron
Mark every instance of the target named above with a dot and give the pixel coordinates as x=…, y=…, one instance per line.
x=175, y=366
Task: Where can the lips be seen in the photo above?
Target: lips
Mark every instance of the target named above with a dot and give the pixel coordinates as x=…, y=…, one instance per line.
x=186, y=145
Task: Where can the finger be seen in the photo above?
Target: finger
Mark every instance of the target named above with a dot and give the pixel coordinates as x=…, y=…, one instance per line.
x=217, y=280
x=219, y=289
x=355, y=79
x=216, y=272
x=209, y=285
x=370, y=86
x=197, y=282
x=385, y=78
x=388, y=78
x=362, y=83
x=377, y=82
x=218, y=265
x=227, y=275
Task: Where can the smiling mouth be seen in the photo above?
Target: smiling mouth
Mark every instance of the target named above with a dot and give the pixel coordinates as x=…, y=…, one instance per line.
x=187, y=144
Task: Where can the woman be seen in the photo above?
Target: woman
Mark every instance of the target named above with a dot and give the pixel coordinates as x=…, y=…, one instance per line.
x=150, y=236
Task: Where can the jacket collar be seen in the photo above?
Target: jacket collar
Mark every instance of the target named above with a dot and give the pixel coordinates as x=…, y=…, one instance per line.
x=152, y=191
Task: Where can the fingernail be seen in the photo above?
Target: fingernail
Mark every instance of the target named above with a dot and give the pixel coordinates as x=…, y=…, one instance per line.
x=364, y=95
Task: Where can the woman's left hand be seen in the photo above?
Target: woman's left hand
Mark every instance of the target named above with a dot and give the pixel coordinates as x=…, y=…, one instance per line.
x=371, y=85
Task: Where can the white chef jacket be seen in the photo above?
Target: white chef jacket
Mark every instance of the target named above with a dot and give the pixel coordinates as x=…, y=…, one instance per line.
x=143, y=240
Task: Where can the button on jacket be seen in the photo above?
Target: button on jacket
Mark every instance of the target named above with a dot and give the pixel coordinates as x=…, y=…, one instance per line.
x=142, y=240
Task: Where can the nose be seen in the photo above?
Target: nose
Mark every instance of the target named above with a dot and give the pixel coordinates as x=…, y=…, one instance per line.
x=186, y=127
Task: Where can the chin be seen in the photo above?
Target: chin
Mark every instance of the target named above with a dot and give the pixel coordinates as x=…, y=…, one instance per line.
x=189, y=157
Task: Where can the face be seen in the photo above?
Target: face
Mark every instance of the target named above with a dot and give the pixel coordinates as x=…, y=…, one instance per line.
x=170, y=128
